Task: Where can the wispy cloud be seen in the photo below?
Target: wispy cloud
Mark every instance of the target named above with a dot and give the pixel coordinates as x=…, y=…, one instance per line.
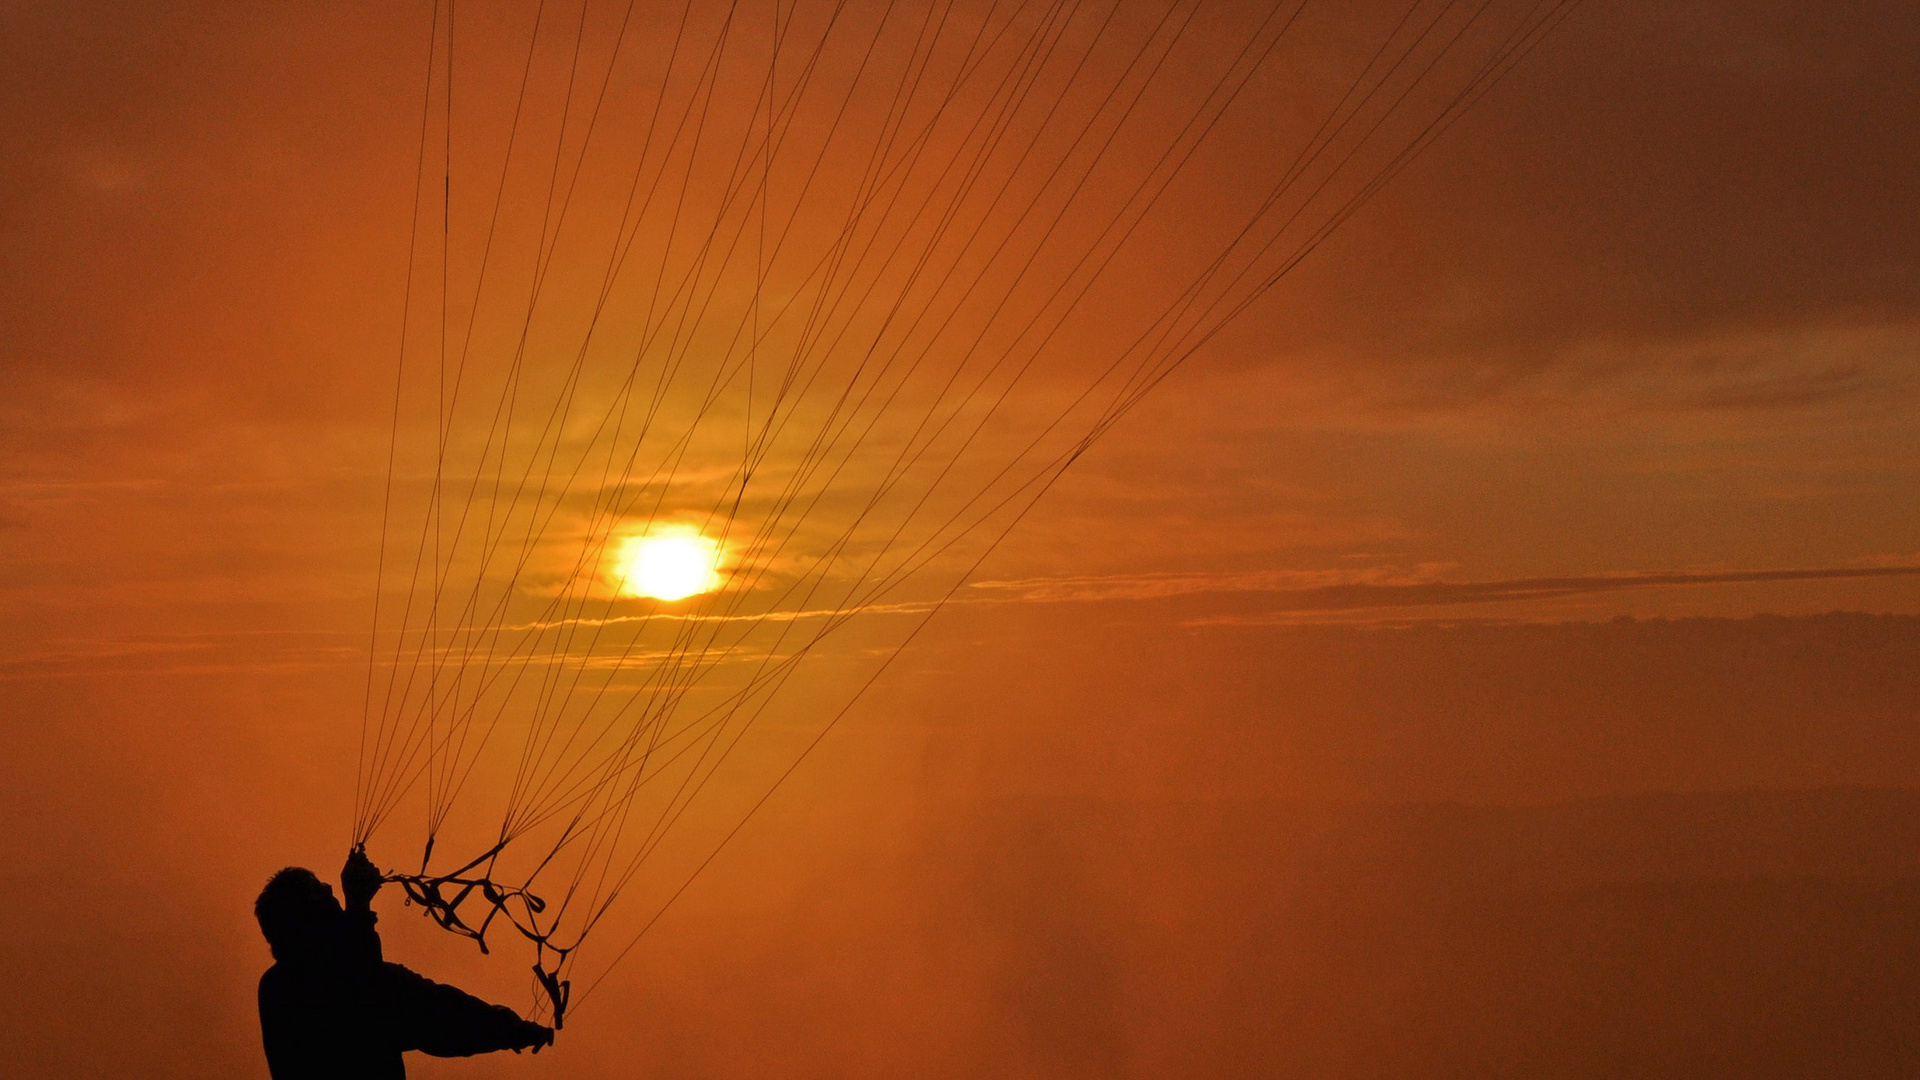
x=1325, y=591
x=1275, y=596
x=191, y=653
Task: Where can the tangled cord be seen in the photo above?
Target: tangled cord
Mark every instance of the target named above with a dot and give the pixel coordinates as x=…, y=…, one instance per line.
x=442, y=895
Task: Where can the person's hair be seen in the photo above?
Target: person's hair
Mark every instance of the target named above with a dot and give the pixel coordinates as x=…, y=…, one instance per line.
x=295, y=911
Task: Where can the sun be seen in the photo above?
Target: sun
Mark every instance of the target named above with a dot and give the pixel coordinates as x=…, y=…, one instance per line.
x=667, y=565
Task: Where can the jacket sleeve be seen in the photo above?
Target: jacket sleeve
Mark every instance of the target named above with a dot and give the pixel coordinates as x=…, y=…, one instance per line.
x=447, y=1022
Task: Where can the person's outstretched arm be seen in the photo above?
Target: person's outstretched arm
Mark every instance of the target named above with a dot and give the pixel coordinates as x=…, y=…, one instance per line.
x=447, y=1022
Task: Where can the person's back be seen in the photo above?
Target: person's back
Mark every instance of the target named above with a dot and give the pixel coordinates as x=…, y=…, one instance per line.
x=330, y=1007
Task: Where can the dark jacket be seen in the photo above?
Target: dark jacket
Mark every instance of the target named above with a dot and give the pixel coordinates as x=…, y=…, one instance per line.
x=349, y=1014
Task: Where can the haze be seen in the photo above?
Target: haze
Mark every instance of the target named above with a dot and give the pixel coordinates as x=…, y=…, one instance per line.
x=1497, y=654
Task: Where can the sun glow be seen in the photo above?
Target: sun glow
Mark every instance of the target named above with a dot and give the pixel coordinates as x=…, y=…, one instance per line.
x=667, y=566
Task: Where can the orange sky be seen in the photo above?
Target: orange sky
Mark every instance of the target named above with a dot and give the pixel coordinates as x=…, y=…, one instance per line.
x=1493, y=655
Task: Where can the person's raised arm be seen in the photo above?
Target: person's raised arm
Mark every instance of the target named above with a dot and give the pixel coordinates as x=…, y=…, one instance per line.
x=359, y=881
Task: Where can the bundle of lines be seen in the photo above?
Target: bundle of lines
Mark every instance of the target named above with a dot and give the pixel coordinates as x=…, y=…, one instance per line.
x=842, y=287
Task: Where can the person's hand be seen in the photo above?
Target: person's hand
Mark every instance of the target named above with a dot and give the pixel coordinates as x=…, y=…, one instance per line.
x=530, y=1035
x=360, y=879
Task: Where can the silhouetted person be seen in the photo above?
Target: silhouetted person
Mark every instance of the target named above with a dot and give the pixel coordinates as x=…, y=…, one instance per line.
x=332, y=1009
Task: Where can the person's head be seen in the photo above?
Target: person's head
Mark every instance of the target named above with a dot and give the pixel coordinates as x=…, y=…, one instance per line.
x=298, y=914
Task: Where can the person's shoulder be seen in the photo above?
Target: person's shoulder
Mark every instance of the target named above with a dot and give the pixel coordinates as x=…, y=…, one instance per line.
x=402, y=973
x=273, y=981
